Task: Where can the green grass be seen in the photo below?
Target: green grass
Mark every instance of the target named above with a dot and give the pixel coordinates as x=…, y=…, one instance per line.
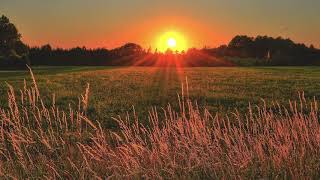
x=39, y=140
x=114, y=90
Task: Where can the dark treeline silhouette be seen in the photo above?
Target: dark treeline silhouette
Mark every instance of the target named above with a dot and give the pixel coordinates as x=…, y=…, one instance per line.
x=263, y=49
x=268, y=51
x=46, y=55
x=128, y=55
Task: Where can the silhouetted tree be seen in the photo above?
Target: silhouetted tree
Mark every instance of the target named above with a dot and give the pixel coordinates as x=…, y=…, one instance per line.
x=242, y=46
x=130, y=49
x=13, y=52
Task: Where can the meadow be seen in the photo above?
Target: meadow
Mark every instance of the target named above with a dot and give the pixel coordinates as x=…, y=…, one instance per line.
x=58, y=123
x=116, y=90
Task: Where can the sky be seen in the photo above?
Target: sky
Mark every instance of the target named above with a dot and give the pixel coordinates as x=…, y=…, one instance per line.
x=111, y=23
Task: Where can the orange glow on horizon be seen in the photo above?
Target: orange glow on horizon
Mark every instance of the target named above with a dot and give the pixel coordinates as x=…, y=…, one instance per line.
x=187, y=32
x=172, y=40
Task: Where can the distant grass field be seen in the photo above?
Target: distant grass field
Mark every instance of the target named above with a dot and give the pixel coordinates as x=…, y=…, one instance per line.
x=114, y=90
x=41, y=140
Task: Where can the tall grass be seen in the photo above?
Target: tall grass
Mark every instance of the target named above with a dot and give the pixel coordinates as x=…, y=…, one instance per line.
x=39, y=140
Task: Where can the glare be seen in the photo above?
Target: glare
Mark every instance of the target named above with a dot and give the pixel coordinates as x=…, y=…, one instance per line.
x=172, y=40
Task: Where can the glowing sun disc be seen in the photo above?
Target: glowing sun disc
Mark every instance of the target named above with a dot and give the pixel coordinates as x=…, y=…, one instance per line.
x=172, y=40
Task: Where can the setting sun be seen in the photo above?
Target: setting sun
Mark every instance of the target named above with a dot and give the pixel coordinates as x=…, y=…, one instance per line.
x=172, y=40
x=172, y=43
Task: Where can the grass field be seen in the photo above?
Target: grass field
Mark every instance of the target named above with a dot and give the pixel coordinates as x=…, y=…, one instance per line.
x=42, y=138
x=114, y=90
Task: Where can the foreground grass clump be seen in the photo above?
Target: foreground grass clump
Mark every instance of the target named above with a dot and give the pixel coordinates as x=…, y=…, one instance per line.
x=39, y=140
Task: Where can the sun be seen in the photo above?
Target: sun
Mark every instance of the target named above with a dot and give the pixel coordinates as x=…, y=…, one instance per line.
x=172, y=40
x=172, y=43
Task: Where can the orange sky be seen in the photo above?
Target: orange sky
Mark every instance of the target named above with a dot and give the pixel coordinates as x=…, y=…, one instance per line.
x=111, y=23
x=145, y=33
x=148, y=31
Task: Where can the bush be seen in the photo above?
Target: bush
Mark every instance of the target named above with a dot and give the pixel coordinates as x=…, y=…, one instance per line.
x=14, y=62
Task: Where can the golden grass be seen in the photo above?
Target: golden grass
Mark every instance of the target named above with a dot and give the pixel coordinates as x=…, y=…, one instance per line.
x=39, y=140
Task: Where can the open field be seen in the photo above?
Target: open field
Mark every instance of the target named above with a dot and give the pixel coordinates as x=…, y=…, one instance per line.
x=44, y=138
x=113, y=91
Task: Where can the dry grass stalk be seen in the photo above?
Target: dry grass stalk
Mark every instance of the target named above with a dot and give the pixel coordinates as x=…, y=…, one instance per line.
x=42, y=141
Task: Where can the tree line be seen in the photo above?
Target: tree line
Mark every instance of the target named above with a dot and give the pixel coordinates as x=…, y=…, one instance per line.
x=269, y=51
x=266, y=50
x=46, y=55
